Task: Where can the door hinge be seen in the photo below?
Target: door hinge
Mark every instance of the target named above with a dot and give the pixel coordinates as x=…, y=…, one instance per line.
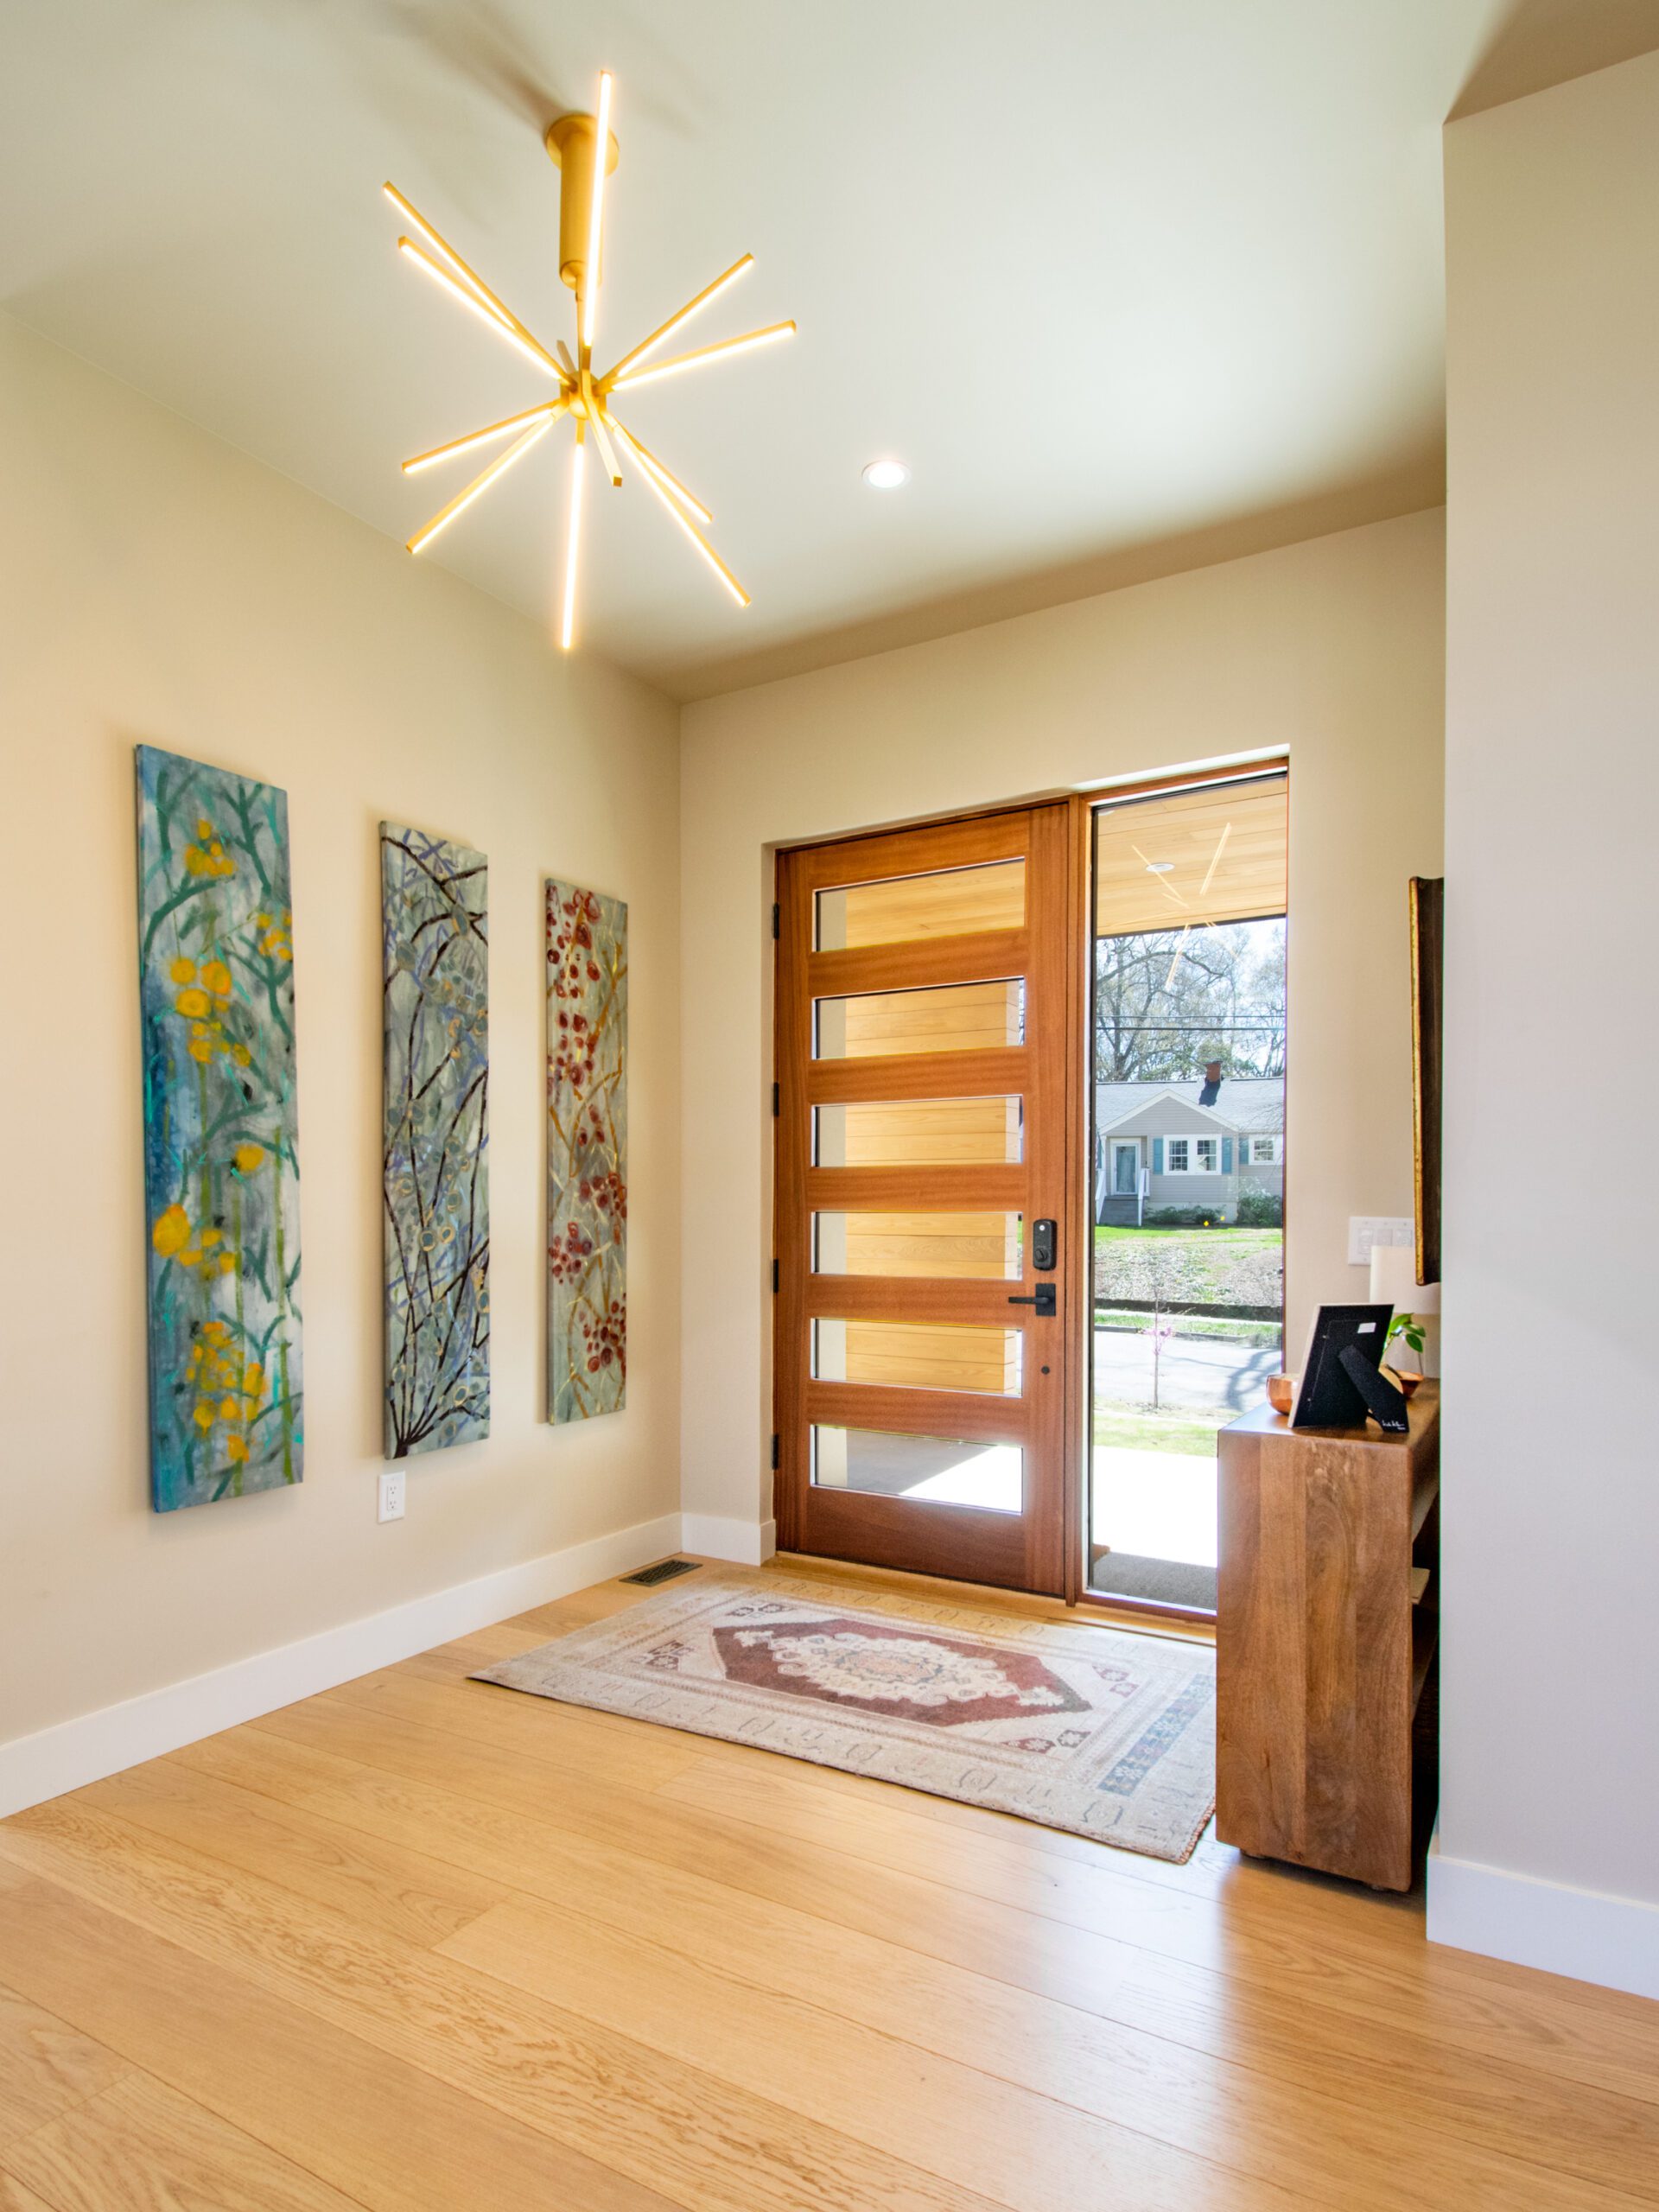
x=777, y=923
x=774, y=1278
x=776, y=1102
x=776, y=1451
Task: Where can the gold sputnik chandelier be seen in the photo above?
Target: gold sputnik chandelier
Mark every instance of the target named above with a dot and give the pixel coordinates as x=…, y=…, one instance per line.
x=575, y=142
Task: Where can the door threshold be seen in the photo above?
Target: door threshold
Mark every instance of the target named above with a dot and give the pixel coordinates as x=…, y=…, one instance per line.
x=1091, y=1612
x=1131, y=1608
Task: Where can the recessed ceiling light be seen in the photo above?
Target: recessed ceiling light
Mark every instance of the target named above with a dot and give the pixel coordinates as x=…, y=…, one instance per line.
x=1159, y=867
x=886, y=475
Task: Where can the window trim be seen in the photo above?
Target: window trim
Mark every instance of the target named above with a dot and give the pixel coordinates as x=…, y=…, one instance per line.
x=1191, y=1139
x=1276, y=1153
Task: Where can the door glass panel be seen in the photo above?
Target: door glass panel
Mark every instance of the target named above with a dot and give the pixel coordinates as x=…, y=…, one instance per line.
x=928, y=1469
x=945, y=1018
x=918, y=1132
x=948, y=904
x=918, y=1356
x=981, y=1247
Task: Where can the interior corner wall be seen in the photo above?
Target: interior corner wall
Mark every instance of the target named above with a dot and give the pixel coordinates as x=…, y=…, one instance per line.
x=157, y=586
x=1550, y=1824
x=1331, y=651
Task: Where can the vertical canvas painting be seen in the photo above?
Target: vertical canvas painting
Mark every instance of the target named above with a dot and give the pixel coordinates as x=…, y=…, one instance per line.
x=434, y=913
x=221, y=1164
x=587, y=1152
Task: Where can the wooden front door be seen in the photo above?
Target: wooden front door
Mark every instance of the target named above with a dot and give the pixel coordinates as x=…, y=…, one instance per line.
x=925, y=1304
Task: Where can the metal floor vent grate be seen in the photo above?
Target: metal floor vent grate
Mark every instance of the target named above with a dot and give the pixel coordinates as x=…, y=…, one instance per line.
x=665, y=1571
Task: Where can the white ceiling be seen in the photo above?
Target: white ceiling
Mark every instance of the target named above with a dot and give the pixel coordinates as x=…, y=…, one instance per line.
x=1110, y=276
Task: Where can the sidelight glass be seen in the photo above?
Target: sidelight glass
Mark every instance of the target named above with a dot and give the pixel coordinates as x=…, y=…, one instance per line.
x=1186, y=1188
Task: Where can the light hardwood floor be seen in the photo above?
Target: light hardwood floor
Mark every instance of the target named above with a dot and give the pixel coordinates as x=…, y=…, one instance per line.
x=418, y=1945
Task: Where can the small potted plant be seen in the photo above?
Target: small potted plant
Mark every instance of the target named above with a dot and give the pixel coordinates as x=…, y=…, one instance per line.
x=1409, y=1329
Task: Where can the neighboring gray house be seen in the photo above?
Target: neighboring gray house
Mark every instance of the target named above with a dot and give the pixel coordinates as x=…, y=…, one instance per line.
x=1186, y=1144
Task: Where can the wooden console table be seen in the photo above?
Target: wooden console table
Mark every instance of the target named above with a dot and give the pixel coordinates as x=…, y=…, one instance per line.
x=1325, y=1625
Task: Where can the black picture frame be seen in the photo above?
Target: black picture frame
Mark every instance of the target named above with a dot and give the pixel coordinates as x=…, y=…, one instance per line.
x=1327, y=1397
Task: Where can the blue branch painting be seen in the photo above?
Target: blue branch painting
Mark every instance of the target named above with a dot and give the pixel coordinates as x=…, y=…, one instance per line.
x=434, y=911
x=221, y=1130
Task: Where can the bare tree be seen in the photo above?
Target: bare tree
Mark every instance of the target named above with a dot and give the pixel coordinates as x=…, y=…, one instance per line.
x=1167, y=1001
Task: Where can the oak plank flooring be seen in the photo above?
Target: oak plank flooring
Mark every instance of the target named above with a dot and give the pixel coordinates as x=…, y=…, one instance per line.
x=46, y=2065
x=391, y=2135
x=961, y=2122
x=421, y=1943
x=15, y=2197
x=715, y=2150
x=1372, y=1979
x=1162, y=2023
x=383, y=1886
x=142, y=2147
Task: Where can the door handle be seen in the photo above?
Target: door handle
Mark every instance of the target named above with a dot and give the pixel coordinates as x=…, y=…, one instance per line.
x=1044, y=1300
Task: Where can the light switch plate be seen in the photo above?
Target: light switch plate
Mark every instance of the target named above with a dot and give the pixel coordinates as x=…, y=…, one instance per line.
x=392, y=1494
x=1366, y=1230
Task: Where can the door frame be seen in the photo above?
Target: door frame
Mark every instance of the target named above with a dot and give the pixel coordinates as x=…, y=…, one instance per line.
x=1079, y=1126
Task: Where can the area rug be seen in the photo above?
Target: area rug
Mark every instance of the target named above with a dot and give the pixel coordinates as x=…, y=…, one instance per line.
x=1087, y=1729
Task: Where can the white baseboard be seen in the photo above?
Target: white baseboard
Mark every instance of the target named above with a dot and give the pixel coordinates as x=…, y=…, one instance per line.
x=1590, y=1937
x=34, y=1768
x=745, y=1543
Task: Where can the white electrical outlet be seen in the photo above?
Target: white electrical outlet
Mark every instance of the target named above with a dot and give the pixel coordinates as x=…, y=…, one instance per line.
x=392, y=1494
x=1366, y=1230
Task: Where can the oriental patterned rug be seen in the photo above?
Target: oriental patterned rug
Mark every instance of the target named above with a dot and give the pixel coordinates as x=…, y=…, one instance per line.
x=1088, y=1729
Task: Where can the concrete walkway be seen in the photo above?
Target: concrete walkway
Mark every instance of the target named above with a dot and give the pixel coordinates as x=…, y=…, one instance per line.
x=1156, y=1505
x=1162, y=1504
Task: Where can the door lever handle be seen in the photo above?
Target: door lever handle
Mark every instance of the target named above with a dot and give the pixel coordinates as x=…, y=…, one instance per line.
x=1044, y=1300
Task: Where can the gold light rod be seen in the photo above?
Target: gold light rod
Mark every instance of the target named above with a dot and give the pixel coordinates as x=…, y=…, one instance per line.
x=498, y=309
x=699, y=541
x=481, y=482
x=588, y=306
x=766, y=337
x=652, y=467
x=573, y=542
x=527, y=346
x=550, y=407
x=663, y=330
x=606, y=451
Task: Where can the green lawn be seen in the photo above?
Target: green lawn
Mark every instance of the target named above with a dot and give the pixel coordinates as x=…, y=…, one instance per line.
x=1138, y=1428
x=1191, y=1267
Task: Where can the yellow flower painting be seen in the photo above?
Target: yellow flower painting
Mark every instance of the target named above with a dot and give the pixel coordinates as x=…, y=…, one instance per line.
x=221, y=1161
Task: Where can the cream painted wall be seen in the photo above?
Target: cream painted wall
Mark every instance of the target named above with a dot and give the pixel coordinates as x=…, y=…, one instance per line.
x=156, y=585
x=1551, y=1519
x=1331, y=650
